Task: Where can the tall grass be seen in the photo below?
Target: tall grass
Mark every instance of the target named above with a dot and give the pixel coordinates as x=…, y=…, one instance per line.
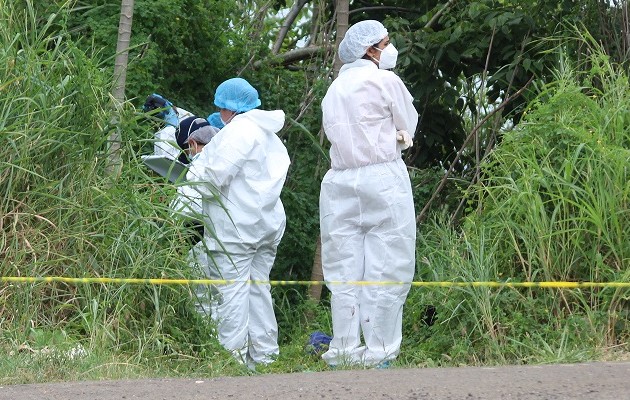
x=555, y=207
x=61, y=215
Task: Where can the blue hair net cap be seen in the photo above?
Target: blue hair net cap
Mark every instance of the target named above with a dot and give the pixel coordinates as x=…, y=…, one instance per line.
x=236, y=94
x=214, y=119
x=359, y=38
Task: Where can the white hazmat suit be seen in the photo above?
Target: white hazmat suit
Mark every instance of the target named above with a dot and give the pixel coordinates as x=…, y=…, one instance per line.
x=165, y=143
x=367, y=214
x=240, y=175
x=187, y=203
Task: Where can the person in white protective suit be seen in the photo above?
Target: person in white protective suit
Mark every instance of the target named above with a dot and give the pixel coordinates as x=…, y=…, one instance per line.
x=182, y=138
x=166, y=141
x=367, y=216
x=240, y=175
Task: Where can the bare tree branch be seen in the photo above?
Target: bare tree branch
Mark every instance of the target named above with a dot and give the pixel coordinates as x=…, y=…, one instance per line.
x=286, y=24
x=384, y=8
x=472, y=134
x=293, y=56
x=429, y=24
x=492, y=139
x=438, y=14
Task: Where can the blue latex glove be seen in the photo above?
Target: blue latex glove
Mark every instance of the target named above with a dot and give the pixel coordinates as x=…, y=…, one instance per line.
x=155, y=101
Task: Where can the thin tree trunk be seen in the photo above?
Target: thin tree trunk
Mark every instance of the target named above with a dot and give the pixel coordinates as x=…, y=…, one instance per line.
x=114, y=159
x=317, y=273
x=342, y=11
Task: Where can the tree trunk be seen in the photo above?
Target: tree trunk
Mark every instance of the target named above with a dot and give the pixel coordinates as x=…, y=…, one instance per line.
x=317, y=273
x=342, y=11
x=114, y=159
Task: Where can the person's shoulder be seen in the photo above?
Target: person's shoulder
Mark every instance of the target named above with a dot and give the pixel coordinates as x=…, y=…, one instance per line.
x=390, y=79
x=387, y=74
x=237, y=129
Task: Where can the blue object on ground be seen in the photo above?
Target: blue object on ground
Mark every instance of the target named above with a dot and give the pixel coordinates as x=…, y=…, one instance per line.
x=318, y=342
x=383, y=365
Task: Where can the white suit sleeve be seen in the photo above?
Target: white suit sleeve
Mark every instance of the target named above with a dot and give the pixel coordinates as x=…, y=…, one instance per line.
x=401, y=104
x=221, y=160
x=194, y=176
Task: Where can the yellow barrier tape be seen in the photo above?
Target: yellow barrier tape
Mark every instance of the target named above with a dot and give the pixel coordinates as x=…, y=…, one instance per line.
x=165, y=281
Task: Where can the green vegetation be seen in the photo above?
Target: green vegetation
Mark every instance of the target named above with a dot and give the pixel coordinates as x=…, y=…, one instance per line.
x=552, y=202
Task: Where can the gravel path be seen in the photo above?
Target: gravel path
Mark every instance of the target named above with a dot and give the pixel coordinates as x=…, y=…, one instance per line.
x=601, y=381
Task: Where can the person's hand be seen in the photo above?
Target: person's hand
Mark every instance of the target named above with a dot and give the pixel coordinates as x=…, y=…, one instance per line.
x=404, y=138
x=155, y=101
x=168, y=114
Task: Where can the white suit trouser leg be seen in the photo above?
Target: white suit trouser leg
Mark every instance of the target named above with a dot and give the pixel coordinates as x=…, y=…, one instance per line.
x=198, y=261
x=244, y=312
x=368, y=233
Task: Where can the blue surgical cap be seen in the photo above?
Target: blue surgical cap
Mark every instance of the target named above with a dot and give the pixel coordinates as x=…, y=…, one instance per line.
x=236, y=94
x=214, y=119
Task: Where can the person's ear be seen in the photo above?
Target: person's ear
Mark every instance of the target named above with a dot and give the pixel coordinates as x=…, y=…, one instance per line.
x=372, y=52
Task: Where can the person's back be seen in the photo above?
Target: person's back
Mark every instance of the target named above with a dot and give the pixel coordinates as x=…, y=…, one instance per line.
x=240, y=174
x=247, y=157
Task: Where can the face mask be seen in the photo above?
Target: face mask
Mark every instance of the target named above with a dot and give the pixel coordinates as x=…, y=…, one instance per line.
x=196, y=156
x=389, y=55
x=215, y=120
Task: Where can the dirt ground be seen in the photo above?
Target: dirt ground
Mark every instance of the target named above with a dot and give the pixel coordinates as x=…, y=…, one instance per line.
x=600, y=381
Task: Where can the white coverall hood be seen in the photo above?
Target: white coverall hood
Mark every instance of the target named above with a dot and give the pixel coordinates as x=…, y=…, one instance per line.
x=269, y=121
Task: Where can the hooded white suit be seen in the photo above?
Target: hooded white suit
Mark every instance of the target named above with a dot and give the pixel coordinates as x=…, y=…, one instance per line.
x=240, y=175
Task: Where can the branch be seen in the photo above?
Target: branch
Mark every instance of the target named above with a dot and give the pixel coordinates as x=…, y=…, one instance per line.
x=292, y=56
x=429, y=24
x=472, y=134
x=491, y=142
x=438, y=14
x=286, y=24
x=386, y=8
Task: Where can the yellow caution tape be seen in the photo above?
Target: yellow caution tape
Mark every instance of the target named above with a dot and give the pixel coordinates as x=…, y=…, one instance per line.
x=165, y=281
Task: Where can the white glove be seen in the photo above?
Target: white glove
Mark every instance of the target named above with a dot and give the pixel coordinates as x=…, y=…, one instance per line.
x=404, y=139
